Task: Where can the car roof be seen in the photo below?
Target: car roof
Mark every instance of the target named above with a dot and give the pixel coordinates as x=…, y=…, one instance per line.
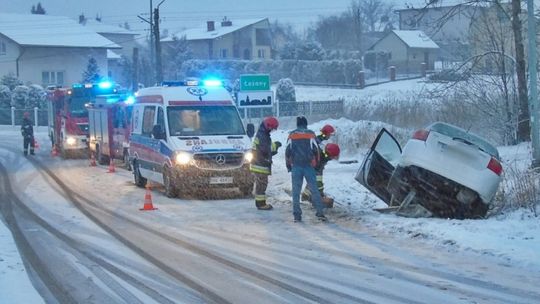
x=457, y=132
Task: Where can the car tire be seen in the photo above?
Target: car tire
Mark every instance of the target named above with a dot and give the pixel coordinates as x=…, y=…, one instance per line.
x=246, y=190
x=99, y=156
x=169, y=183
x=127, y=164
x=139, y=180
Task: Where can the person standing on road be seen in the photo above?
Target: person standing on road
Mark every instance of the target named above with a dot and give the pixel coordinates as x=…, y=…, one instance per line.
x=27, y=131
x=302, y=156
x=261, y=166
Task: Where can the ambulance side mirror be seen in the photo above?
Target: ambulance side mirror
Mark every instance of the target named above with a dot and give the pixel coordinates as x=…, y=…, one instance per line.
x=158, y=132
x=250, y=130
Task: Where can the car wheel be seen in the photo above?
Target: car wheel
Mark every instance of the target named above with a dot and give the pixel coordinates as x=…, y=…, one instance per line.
x=139, y=180
x=127, y=164
x=246, y=190
x=169, y=183
x=100, y=157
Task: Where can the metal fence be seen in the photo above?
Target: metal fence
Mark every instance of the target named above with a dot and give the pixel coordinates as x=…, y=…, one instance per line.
x=328, y=109
x=12, y=116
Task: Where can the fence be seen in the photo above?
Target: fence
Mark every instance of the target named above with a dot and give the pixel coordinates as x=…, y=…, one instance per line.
x=12, y=116
x=326, y=109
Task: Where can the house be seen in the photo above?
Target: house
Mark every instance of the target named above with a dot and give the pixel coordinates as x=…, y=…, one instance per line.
x=449, y=26
x=408, y=50
x=49, y=50
x=238, y=39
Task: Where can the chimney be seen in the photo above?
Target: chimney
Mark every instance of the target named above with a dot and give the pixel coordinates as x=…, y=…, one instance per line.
x=226, y=22
x=210, y=26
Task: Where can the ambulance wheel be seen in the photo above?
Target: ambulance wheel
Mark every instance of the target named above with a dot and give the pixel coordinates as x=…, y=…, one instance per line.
x=139, y=180
x=168, y=182
x=100, y=157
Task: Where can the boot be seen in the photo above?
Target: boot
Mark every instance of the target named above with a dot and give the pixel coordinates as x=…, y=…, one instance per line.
x=327, y=202
x=262, y=205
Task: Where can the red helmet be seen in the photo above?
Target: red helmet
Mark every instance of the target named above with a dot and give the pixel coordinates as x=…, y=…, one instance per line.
x=26, y=115
x=328, y=130
x=271, y=123
x=332, y=150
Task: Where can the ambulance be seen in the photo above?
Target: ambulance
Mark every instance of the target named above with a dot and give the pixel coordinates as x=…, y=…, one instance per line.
x=188, y=136
x=109, y=124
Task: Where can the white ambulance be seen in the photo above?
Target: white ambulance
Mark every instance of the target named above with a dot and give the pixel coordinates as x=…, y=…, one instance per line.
x=188, y=136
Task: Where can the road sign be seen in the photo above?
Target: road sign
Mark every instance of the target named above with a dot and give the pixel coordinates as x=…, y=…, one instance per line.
x=254, y=82
x=255, y=99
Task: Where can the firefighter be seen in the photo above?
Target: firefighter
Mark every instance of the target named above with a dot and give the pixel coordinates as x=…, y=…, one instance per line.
x=302, y=155
x=27, y=132
x=330, y=152
x=261, y=166
x=326, y=132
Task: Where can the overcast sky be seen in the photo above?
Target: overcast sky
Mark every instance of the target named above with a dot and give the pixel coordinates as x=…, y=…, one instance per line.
x=177, y=14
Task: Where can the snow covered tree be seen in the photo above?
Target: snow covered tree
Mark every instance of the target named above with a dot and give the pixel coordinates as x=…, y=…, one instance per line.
x=19, y=97
x=11, y=81
x=176, y=53
x=285, y=90
x=5, y=96
x=38, y=10
x=36, y=96
x=92, y=71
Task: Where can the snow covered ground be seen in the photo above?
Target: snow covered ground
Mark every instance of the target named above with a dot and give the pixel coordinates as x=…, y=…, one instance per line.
x=508, y=239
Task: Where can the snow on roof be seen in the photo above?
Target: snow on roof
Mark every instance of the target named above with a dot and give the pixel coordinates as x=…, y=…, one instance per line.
x=416, y=39
x=104, y=28
x=201, y=33
x=45, y=30
x=112, y=55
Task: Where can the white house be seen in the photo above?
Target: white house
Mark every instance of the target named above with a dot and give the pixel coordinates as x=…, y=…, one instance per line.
x=408, y=49
x=229, y=39
x=49, y=50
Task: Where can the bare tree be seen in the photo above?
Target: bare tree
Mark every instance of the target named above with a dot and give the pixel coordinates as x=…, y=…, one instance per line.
x=373, y=14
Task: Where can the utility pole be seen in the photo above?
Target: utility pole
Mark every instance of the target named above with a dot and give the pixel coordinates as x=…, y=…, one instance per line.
x=151, y=23
x=135, y=71
x=159, y=68
x=533, y=97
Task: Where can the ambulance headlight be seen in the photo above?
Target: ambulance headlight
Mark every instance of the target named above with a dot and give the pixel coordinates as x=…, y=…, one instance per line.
x=248, y=157
x=71, y=141
x=183, y=158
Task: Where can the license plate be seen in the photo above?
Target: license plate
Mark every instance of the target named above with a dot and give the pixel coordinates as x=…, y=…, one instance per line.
x=221, y=180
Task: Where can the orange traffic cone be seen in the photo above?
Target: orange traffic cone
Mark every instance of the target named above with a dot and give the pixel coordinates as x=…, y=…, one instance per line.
x=111, y=167
x=148, y=206
x=54, y=151
x=92, y=160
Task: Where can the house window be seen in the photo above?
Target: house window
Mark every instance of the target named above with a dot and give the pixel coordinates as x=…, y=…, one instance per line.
x=52, y=77
x=2, y=48
x=414, y=56
x=262, y=37
x=223, y=53
x=261, y=53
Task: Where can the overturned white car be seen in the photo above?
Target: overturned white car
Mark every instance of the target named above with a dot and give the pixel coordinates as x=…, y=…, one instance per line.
x=449, y=171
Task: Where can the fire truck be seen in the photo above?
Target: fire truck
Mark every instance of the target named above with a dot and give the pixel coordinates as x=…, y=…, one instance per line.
x=109, y=121
x=68, y=116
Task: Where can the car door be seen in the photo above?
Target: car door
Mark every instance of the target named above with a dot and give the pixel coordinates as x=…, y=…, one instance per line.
x=379, y=164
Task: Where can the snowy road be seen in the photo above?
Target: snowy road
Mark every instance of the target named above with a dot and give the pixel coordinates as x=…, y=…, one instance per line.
x=84, y=239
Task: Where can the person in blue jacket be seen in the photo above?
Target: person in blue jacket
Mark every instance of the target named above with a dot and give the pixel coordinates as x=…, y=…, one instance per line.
x=302, y=156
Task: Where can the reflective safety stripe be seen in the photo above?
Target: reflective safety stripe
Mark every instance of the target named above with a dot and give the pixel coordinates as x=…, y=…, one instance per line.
x=255, y=142
x=274, y=147
x=307, y=192
x=259, y=169
x=319, y=178
x=260, y=197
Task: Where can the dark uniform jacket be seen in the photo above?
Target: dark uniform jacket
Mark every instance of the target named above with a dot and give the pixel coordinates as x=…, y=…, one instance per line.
x=26, y=128
x=263, y=150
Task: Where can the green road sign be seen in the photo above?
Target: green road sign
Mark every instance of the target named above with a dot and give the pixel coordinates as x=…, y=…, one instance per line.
x=255, y=82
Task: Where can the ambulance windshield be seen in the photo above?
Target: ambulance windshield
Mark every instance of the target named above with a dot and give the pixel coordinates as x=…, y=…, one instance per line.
x=204, y=120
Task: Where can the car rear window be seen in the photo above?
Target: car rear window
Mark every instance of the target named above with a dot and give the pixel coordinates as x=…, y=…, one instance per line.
x=455, y=132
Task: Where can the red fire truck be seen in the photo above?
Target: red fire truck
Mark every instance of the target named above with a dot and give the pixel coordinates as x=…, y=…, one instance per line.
x=68, y=116
x=109, y=120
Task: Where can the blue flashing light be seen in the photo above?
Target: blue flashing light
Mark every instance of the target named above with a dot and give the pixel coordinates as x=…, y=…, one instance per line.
x=105, y=85
x=77, y=85
x=130, y=100
x=212, y=83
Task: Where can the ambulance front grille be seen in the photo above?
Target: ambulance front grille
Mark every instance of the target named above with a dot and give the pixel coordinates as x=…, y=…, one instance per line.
x=218, y=161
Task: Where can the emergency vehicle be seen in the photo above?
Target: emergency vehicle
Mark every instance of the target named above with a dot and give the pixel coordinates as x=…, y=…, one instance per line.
x=109, y=123
x=188, y=136
x=68, y=116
